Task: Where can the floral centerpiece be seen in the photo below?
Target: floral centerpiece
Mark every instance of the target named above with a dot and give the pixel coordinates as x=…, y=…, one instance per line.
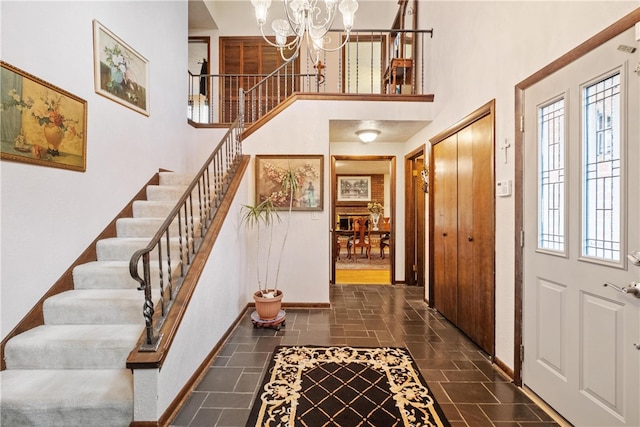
x=375, y=209
x=50, y=116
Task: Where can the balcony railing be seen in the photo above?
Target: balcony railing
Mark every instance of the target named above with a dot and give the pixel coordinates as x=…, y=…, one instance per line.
x=378, y=62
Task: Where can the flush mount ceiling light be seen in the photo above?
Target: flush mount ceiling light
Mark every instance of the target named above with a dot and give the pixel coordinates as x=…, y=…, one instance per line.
x=306, y=20
x=367, y=135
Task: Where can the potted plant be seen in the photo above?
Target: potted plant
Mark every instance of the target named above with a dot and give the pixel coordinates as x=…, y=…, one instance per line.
x=265, y=214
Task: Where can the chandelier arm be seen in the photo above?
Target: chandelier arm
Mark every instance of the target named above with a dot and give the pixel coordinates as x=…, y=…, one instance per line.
x=296, y=50
x=299, y=31
x=346, y=40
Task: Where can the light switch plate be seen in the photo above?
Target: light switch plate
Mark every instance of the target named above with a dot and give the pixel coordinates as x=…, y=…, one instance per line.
x=503, y=188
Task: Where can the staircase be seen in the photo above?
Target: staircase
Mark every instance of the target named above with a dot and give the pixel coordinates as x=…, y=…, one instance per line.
x=71, y=371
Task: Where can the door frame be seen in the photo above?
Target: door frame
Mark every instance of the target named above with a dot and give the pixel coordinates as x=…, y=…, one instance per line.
x=586, y=47
x=392, y=196
x=414, y=235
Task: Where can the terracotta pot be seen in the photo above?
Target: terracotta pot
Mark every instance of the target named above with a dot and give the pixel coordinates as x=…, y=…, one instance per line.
x=268, y=308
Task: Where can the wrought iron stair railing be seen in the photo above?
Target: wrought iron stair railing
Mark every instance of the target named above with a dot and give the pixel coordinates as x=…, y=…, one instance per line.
x=193, y=214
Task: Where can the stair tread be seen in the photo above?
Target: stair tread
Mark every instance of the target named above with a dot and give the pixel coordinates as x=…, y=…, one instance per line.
x=78, y=336
x=50, y=396
x=72, y=346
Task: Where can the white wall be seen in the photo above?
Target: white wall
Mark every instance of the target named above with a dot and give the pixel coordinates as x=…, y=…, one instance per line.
x=481, y=50
x=303, y=128
x=50, y=215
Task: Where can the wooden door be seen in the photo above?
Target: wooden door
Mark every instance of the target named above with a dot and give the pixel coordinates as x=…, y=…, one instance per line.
x=445, y=194
x=462, y=219
x=244, y=61
x=475, y=237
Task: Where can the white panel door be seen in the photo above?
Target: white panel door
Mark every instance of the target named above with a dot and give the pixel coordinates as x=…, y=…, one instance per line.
x=581, y=219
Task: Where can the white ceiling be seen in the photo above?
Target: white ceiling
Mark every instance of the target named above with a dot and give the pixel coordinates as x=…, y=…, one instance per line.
x=390, y=130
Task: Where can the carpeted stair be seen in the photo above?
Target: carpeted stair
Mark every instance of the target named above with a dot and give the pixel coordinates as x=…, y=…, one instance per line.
x=71, y=371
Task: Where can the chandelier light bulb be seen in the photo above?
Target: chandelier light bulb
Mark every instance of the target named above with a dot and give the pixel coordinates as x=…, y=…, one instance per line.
x=348, y=9
x=281, y=29
x=261, y=7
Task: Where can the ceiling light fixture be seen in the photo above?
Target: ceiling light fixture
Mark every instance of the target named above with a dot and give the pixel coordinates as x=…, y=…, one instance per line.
x=367, y=135
x=305, y=21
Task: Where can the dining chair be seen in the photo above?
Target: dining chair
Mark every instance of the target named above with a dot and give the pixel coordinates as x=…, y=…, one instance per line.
x=361, y=237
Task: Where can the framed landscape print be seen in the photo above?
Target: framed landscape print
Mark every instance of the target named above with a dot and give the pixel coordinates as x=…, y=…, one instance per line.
x=120, y=73
x=309, y=172
x=41, y=123
x=354, y=189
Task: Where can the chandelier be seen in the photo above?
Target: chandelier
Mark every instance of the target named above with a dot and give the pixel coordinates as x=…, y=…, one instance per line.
x=305, y=21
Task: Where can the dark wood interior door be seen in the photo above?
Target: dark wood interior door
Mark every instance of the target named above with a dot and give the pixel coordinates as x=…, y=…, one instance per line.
x=463, y=230
x=445, y=188
x=244, y=61
x=475, y=236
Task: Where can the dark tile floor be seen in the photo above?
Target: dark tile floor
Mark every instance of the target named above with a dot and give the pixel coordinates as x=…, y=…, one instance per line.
x=460, y=375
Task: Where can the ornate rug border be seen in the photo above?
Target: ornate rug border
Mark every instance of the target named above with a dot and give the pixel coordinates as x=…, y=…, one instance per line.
x=274, y=393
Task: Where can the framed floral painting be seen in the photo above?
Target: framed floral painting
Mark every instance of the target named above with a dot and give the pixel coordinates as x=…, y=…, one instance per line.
x=120, y=73
x=41, y=123
x=309, y=172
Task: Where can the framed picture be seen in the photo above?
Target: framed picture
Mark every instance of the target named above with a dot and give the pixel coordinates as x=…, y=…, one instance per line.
x=308, y=169
x=120, y=73
x=41, y=123
x=354, y=189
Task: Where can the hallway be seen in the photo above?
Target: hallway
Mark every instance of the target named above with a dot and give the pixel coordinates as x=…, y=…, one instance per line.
x=469, y=390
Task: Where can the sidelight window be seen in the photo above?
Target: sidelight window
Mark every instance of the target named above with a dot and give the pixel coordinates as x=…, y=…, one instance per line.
x=551, y=176
x=601, y=147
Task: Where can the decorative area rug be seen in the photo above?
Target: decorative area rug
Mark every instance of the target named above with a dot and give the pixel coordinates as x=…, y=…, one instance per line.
x=344, y=386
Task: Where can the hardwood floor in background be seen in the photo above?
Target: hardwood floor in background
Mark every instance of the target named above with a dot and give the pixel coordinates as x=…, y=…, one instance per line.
x=363, y=277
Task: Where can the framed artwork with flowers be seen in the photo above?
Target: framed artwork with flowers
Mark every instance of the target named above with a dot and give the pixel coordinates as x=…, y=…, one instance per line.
x=309, y=172
x=41, y=123
x=120, y=73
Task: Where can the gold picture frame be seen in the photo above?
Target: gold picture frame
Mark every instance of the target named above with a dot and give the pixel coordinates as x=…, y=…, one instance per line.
x=308, y=169
x=120, y=73
x=40, y=123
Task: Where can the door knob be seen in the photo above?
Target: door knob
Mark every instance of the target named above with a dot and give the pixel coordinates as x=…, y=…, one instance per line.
x=470, y=238
x=444, y=234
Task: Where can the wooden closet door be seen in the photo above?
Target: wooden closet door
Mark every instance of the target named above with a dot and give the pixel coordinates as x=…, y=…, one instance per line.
x=484, y=234
x=445, y=188
x=475, y=233
x=463, y=229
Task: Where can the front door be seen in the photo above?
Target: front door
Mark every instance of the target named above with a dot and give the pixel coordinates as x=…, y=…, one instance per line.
x=581, y=333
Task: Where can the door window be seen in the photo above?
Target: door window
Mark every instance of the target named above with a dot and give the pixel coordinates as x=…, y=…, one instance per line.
x=551, y=175
x=601, y=170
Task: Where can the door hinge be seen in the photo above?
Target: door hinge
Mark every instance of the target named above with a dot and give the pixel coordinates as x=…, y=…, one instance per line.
x=521, y=123
x=415, y=267
x=415, y=172
x=521, y=353
x=522, y=238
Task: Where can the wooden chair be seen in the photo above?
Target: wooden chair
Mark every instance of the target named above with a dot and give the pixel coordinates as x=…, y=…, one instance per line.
x=384, y=243
x=361, y=237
